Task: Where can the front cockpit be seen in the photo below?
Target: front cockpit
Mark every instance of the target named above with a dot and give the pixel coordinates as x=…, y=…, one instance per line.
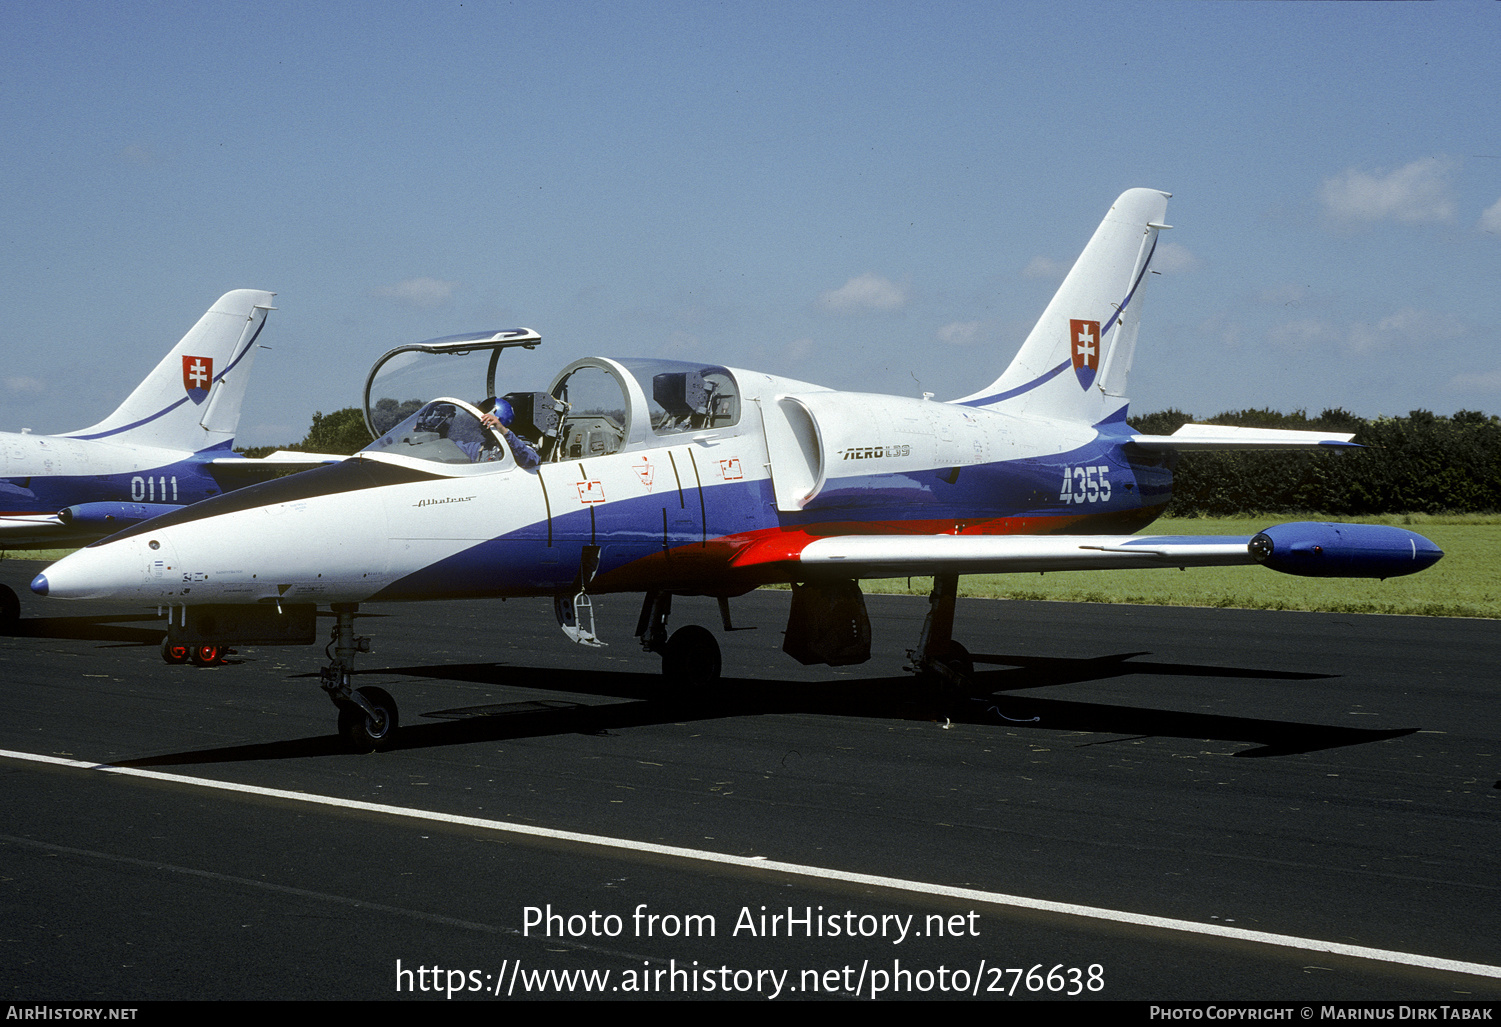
x=444, y=431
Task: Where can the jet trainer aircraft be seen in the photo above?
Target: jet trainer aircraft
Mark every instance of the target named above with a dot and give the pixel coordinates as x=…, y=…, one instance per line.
x=166, y=446
x=676, y=478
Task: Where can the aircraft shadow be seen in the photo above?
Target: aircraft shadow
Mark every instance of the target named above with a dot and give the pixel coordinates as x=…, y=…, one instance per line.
x=637, y=702
x=93, y=629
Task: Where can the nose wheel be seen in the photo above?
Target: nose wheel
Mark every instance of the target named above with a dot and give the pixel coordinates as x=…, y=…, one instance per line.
x=368, y=719
x=367, y=716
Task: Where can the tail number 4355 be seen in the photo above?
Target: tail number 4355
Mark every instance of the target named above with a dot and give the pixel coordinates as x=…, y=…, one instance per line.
x=1085, y=484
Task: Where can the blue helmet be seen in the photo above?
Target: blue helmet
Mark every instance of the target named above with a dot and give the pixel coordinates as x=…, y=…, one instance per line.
x=503, y=412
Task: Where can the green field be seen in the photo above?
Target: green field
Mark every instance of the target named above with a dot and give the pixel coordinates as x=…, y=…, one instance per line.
x=1465, y=583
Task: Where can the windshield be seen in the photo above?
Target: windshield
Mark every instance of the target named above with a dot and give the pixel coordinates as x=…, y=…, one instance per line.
x=444, y=431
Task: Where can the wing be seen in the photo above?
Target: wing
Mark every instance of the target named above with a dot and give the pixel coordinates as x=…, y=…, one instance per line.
x=1311, y=549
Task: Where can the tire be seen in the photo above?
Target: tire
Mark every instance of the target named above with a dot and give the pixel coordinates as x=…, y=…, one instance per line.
x=363, y=732
x=174, y=653
x=10, y=605
x=690, y=659
x=206, y=655
x=956, y=659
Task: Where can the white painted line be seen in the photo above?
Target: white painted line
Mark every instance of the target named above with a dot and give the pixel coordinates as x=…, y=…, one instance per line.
x=776, y=866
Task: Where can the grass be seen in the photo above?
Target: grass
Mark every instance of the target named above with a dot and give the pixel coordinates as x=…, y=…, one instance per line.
x=1465, y=583
x=46, y=555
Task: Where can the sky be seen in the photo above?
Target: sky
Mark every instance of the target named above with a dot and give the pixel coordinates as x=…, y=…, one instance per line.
x=870, y=196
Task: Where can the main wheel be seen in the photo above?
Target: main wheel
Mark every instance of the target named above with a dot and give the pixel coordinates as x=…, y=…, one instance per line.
x=10, y=605
x=206, y=655
x=174, y=652
x=690, y=659
x=956, y=660
x=363, y=732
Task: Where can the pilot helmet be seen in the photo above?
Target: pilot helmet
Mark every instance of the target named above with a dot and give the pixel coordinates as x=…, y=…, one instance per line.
x=503, y=412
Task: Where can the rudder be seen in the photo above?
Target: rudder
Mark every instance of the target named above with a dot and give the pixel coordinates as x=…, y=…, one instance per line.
x=191, y=400
x=1074, y=364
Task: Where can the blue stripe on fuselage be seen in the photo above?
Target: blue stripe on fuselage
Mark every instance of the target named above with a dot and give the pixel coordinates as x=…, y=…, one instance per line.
x=180, y=482
x=523, y=561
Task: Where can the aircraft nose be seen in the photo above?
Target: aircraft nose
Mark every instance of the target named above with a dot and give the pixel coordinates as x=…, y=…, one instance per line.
x=95, y=572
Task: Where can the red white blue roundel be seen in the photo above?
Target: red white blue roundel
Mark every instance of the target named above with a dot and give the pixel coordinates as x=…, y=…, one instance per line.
x=197, y=376
x=1084, y=344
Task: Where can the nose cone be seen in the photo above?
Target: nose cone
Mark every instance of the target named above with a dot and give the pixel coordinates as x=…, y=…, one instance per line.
x=109, y=571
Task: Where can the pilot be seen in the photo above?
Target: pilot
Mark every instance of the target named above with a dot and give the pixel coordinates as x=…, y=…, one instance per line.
x=500, y=418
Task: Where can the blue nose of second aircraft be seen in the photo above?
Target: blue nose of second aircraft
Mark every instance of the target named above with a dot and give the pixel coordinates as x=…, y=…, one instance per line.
x=39, y=584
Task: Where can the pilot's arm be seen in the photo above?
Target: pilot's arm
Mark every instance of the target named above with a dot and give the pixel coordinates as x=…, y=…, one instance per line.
x=526, y=455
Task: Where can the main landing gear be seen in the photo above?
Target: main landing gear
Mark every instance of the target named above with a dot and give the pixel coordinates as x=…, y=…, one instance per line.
x=690, y=657
x=367, y=716
x=938, y=659
x=198, y=655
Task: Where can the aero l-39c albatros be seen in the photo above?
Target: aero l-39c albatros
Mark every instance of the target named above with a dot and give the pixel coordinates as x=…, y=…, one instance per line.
x=684, y=478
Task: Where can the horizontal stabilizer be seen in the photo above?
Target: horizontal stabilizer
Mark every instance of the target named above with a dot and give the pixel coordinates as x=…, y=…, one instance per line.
x=34, y=531
x=1224, y=436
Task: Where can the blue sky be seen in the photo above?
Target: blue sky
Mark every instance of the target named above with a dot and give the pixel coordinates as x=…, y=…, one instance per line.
x=873, y=196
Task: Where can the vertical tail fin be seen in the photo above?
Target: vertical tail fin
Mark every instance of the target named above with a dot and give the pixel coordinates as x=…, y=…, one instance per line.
x=1074, y=364
x=191, y=400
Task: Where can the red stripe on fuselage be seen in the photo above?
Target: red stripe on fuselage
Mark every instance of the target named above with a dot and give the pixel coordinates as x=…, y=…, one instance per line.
x=732, y=565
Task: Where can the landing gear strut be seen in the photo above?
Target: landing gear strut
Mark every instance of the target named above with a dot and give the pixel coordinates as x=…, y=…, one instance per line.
x=367, y=716
x=690, y=657
x=938, y=659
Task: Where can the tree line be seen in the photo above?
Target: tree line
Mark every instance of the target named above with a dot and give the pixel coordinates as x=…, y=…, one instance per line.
x=1421, y=463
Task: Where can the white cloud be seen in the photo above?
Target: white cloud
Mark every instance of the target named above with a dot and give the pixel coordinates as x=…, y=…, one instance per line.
x=1047, y=268
x=23, y=388
x=1172, y=256
x=1302, y=333
x=1413, y=194
x=1490, y=221
x=960, y=333
x=865, y=292
x=1407, y=328
x=799, y=350
x=1479, y=381
x=420, y=292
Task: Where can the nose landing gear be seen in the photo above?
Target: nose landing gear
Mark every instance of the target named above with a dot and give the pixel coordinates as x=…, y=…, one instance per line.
x=367, y=716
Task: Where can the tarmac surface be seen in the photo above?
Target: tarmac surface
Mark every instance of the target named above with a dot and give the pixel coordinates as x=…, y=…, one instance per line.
x=1326, y=778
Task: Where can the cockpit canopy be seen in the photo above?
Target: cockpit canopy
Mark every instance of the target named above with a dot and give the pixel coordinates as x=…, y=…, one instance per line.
x=594, y=406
